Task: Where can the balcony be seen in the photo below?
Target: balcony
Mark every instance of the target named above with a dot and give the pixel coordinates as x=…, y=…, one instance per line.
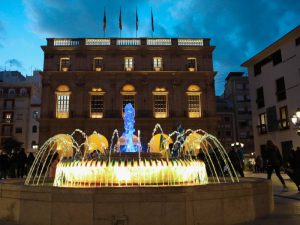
x=65, y=42
x=262, y=128
x=7, y=121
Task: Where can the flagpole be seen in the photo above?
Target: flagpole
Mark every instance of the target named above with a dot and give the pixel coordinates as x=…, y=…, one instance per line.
x=136, y=22
x=120, y=22
x=152, y=22
x=104, y=23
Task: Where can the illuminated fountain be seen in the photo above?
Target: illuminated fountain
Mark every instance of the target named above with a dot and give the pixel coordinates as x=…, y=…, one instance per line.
x=126, y=164
x=179, y=179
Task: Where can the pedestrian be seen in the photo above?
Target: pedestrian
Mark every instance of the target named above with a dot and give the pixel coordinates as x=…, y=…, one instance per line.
x=258, y=164
x=30, y=160
x=13, y=164
x=22, y=158
x=274, y=162
x=252, y=164
x=236, y=161
x=4, y=165
x=293, y=171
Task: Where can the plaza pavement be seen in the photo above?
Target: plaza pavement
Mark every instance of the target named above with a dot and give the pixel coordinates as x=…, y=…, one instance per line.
x=287, y=204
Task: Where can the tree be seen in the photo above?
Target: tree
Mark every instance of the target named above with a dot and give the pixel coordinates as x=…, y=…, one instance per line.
x=10, y=144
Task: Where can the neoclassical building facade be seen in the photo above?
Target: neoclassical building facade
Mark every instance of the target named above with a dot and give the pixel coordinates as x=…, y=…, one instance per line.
x=87, y=82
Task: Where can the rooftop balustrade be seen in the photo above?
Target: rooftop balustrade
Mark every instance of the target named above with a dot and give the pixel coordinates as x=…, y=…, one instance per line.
x=66, y=42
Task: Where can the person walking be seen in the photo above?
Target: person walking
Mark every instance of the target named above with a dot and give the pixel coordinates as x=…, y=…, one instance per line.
x=274, y=162
x=236, y=161
x=293, y=171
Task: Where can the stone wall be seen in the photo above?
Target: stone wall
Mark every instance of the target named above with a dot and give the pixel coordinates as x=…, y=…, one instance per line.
x=220, y=204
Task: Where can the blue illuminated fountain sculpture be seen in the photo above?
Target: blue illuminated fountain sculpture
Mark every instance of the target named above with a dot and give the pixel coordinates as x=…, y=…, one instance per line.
x=129, y=121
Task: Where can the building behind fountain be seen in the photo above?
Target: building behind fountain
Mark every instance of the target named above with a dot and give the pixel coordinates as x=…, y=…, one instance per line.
x=87, y=83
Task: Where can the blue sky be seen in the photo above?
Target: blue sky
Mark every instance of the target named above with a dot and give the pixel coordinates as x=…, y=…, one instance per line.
x=238, y=28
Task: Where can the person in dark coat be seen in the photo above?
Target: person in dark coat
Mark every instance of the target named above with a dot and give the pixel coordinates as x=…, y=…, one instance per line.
x=274, y=162
x=236, y=161
x=22, y=158
x=30, y=160
x=293, y=171
x=3, y=165
x=13, y=164
x=258, y=164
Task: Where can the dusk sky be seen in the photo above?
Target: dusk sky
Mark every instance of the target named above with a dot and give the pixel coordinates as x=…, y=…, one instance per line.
x=238, y=28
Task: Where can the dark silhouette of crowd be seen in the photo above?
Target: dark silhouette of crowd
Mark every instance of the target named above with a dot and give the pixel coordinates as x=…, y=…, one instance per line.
x=15, y=164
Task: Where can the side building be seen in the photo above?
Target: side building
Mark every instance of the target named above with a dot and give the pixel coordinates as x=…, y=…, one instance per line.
x=226, y=127
x=20, y=99
x=274, y=75
x=87, y=82
x=237, y=94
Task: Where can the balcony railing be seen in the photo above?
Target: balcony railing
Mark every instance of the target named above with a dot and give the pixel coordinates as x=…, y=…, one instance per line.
x=159, y=41
x=190, y=42
x=97, y=41
x=66, y=42
x=198, y=42
x=128, y=42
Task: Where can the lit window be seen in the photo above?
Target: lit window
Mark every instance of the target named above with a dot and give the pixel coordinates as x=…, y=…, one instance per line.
x=157, y=63
x=128, y=63
x=194, y=101
x=262, y=123
x=62, y=101
x=64, y=64
x=8, y=117
x=128, y=92
x=96, y=103
x=284, y=121
x=192, y=64
x=11, y=91
x=160, y=103
x=98, y=64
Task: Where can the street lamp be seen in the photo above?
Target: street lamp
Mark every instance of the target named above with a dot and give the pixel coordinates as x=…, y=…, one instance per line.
x=236, y=144
x=296, y=120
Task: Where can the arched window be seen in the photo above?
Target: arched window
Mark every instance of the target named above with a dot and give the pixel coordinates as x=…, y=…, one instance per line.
x=194, y=101
x=11, y=91
x=34, y=129
x=62, y=101
x=23, y=92
x=64, y=64
x=128, y=63
x=160, y=103
x=192, y=64
x=96, y=103
x=98, y=64
x=157, y=63
x=128, y=92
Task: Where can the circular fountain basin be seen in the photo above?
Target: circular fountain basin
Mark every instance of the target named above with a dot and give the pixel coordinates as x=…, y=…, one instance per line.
x=130, y=170
x=226, y=203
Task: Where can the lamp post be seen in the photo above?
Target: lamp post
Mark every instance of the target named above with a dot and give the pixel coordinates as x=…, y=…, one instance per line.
x=296, y=120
